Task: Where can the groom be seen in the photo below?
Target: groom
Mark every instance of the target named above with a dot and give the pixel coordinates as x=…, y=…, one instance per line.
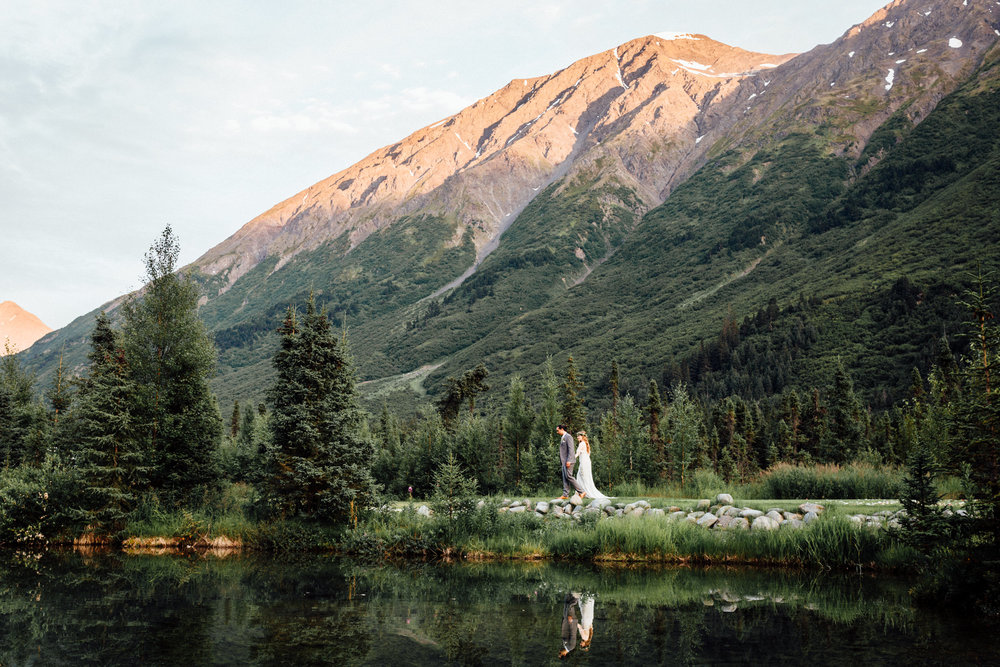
x=567, y=456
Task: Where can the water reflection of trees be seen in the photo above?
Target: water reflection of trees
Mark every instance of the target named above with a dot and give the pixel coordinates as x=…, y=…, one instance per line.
x=118, y=609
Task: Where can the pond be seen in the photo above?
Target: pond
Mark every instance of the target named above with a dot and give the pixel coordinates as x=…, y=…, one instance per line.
x=61, y=608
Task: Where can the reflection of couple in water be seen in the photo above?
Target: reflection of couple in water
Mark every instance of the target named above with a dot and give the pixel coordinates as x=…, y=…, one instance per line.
x=578, y=618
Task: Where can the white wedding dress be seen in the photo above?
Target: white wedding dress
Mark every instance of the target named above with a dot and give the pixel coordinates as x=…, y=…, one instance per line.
x=587, y=617
x=585, y=474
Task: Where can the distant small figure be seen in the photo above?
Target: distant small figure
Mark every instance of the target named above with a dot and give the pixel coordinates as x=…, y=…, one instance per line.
x=410, y=491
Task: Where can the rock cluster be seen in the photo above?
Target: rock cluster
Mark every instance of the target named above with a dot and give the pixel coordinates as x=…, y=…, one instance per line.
x=716, y=514
x=720, y=514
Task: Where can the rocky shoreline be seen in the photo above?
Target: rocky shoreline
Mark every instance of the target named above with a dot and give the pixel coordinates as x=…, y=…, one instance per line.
x=718, y=514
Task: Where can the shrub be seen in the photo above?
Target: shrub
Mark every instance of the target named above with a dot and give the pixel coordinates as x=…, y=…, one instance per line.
x=37, y=503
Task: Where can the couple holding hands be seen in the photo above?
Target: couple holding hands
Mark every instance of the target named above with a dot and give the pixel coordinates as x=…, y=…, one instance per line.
x=569, y=454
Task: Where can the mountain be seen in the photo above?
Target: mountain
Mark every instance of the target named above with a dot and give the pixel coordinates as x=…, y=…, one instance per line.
x=734, y=220
x=19, y=328
x=481, y=166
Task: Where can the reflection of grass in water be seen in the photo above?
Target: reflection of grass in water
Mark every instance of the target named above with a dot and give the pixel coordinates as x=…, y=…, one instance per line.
x=836, y=597
x=309, y=599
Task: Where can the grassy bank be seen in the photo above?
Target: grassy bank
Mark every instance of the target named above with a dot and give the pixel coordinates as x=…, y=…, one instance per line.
x=833, y=542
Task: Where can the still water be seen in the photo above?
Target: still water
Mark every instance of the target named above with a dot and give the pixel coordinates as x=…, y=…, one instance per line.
x=117, y=609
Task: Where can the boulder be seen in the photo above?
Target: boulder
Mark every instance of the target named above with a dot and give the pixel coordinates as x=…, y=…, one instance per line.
x=636, y=512
x=576, y=500
x=703, y=505
x=542, y=507
x=517, y=509
x=725, y=521
x=707, y=520
x=424, y=510
x=677, y=515
x=792, y=523
x=805, y=508
x=810, y=517
x=750, y=514
x=740, y=523
x=764, y=523
x=723, y=499
x=656, y=511
x=600, y=503
x=557, y=510
x=777, y=516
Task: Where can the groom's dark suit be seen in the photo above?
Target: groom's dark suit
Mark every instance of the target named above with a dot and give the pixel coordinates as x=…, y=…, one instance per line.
x=567, y=454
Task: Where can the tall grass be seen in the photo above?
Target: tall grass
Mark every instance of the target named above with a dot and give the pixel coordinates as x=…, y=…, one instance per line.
x=703, y=483
x=834, y=543
x=831, y=542
x=856, y=480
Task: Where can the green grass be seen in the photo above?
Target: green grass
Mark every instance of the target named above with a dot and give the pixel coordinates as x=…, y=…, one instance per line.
x=832, y=542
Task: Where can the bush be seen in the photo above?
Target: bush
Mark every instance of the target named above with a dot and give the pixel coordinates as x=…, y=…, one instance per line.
x=36, y=504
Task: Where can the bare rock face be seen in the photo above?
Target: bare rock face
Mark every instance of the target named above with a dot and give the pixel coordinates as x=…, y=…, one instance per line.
x=640, y=105
x=19, y=329
x=646, y=115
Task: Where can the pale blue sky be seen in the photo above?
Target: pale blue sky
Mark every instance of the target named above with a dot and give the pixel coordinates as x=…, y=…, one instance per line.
x=118, y=117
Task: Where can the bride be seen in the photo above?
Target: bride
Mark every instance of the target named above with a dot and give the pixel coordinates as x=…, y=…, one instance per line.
x=585, y=474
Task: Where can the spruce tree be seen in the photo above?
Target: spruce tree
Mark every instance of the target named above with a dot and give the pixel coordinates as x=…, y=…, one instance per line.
x=112, y=458
x=924, y=526
x=320, y=457
x=653, y=408
x=517, y=422
x=234, y=421
x=684, y=430
x=846, y=426
x=977, y=411
x=171, y=358
x=23, y=419
x=545, y=441
x=574, y=414
x=454, y=490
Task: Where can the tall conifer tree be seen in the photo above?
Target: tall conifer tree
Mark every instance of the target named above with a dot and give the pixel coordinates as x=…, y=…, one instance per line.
x=171, y=359
x=113, y=461
x=574, y=415
x=320, y=457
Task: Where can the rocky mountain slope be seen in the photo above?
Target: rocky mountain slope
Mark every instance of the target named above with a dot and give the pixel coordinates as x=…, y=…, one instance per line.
x=626, y=205
x=19, y=328
x=481, y=166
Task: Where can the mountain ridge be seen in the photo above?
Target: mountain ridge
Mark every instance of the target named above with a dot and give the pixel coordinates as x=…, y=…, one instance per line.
x=495, y=153
x=19, y=328
x=758, y=161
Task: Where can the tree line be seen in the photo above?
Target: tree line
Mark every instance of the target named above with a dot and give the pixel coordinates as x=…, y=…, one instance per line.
x=140, y=431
